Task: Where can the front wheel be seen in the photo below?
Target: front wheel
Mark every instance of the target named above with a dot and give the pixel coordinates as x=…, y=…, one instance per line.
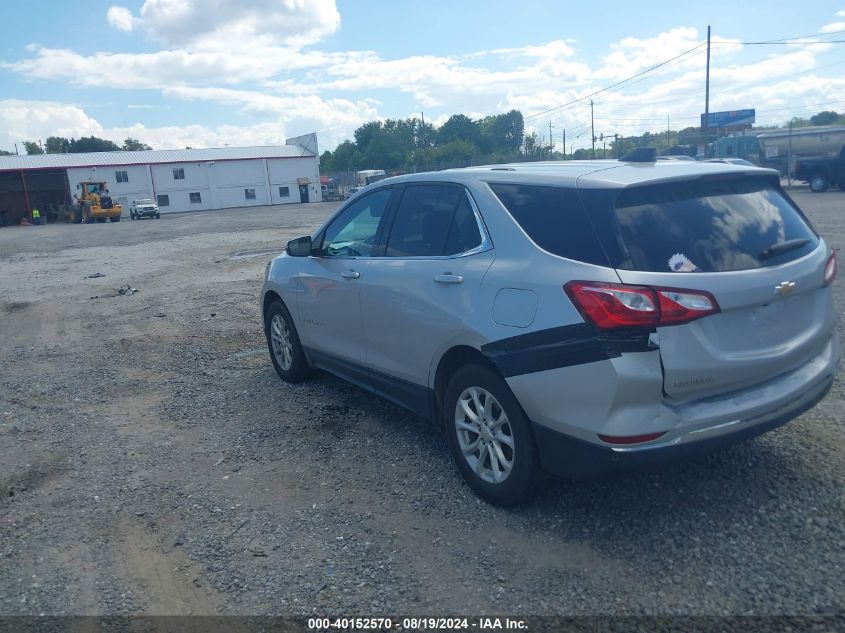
x=283, y=341
x=818, y=183
x=489, y=436
x=158, y=216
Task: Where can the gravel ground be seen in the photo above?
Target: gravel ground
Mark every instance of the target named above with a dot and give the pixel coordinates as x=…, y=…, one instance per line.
x=152, y=462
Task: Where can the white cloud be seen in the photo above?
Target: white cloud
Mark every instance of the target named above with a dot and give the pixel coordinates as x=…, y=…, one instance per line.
x=120, y=18
x=170, y=67
x=834, y=26
x=220, y=24
x=22, y=120
x=334, y=120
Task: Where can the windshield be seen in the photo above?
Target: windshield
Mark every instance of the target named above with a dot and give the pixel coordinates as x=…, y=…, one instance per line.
x=710, y=226
x=144, y=201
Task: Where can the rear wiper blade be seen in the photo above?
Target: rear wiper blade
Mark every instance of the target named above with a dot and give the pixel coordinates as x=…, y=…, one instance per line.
x=782, y=247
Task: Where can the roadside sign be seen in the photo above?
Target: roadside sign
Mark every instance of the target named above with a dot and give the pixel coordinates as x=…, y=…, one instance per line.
x=729, y=118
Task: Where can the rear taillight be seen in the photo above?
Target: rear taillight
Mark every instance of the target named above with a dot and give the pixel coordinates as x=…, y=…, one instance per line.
x=830, y=269
x=610, y=306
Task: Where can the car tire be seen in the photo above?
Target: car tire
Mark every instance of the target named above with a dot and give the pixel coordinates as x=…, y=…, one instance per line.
x=283, y=342
x=116, y=218
x=476, y=443
x=818, y=183
x=158, y=216
x=101, y=220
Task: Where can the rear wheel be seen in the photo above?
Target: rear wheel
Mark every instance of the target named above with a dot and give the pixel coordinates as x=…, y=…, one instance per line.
x=101, y=220
x=489, y=436
x=115, y=218
x=818, y=183
x=283, y=341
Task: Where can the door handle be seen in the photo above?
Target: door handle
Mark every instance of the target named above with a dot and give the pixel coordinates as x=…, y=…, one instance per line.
x=350, y=274
x=449, y=278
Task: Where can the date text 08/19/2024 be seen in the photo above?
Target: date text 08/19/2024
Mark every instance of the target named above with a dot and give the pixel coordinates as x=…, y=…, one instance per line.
x=416, y=624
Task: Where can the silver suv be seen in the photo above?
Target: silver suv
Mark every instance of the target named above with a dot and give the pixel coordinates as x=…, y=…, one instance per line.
x=578, y=317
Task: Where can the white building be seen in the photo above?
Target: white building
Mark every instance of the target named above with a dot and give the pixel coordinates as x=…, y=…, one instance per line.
x=180, y=180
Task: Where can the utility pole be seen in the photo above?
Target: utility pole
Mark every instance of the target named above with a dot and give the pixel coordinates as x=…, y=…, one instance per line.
x=789, y=156
x=592, y=128
x=551, y=141
x=564, y=143
x=668, y=142
x=706, y=126
x=616, y=144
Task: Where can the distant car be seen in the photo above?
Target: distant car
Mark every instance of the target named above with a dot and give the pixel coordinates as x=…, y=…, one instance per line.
x=352, y=191
x=728, y=160
x=580, y=317
x=143, y=208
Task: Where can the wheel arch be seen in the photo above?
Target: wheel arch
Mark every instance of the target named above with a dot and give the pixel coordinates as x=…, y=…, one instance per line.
x=269, y=297
x=450, y=362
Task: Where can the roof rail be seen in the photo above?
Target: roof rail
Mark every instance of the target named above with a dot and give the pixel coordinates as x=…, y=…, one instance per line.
x=640, y=155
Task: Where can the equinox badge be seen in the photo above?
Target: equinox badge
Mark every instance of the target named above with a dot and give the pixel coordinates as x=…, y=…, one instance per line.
x=784, y=288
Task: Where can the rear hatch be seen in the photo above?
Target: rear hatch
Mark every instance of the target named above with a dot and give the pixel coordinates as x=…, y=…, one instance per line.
x=743, y=241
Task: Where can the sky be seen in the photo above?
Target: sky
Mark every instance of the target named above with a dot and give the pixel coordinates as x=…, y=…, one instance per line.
x=209, y=73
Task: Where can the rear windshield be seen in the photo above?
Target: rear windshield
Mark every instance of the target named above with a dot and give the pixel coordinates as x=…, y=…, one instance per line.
x=710, y=226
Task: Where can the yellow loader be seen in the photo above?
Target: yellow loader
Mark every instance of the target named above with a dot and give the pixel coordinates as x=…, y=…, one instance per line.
x=96, y=203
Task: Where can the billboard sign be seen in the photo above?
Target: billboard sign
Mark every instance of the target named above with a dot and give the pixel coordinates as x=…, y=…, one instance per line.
x=729, y=118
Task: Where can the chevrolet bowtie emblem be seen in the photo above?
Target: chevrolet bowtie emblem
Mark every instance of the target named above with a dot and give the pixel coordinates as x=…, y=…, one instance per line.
x=784, y=288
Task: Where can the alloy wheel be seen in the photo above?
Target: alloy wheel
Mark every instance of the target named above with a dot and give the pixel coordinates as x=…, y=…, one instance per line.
x=484, y=435
x=281, y=342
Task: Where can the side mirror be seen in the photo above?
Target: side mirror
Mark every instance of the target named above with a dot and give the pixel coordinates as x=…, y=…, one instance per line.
x=300, y=247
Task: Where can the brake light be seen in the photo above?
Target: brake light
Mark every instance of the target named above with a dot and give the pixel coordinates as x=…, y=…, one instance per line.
x=610, y=306
x=830, y=269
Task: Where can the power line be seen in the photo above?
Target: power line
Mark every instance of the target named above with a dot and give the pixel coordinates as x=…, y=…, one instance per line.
x=612, y=86
x=789, y=43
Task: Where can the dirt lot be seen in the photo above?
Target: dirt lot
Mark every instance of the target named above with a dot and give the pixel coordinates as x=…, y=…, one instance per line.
x=152, y=462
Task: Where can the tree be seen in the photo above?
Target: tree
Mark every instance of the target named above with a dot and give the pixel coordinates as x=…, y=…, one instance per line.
x=32, y=147
x=133, y=145
x=347, y=157
x=56, y=145
x=502, y=133
x=92, y=144
x=327, y=162
x=3, y=152
x=458, y=127
x=826, y=117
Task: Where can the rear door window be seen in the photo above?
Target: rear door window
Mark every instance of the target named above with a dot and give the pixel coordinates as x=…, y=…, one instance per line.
x=710, y=226
x=433, y=220
x=554, y=218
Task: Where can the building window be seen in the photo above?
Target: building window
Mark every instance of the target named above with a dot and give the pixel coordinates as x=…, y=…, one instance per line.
x=178, y=173
x=121, y=176
x=163, y=200
x=196, y=198
x=284, y=192
x=250, y=194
